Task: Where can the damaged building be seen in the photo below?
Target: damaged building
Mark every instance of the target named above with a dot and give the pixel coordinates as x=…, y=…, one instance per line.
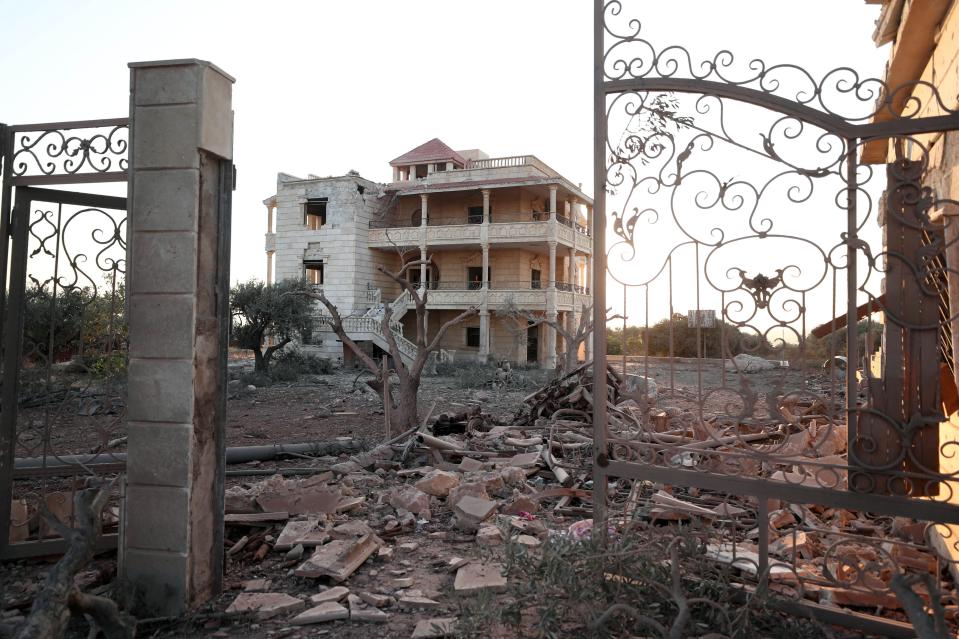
x=503, y=234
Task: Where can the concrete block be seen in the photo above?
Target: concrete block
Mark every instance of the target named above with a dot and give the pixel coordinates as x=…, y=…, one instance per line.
x=159, y=580
x=166, y=85
x=164, y=262
x=216, y=126
x=166, y=200
x=166, y=137
x=157, y=518
x=158, y=453
x=162, y=326
x=160, y=390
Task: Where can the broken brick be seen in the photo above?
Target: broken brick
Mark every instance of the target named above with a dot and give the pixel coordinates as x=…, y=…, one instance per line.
x=475, y=577
x=338, y=559
x=472, y=511
x=329, y=611
x=264, y=605
x=438, y=483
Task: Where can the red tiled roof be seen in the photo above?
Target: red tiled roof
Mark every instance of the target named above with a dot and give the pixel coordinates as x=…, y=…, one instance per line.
x=430, y=151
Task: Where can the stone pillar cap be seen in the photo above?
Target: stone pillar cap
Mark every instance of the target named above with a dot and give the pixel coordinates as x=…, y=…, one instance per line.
x=180, y=62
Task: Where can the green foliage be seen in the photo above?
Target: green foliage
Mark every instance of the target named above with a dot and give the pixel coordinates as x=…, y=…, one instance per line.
x=65, y=323
x=684, y=340
x=291, y=364
x=258, y=309
x=570, y=588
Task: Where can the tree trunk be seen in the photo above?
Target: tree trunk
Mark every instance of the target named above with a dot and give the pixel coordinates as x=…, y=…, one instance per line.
x=405, y=413
x=259, y=363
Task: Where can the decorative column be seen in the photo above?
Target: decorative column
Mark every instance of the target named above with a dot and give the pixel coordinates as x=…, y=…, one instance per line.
x=269, y=267
x=551, y=305
x=423, y=214
x=181, y=182
x=552, y=202
x=484, y=306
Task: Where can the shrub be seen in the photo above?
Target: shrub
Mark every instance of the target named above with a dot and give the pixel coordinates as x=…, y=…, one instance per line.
x=290, y=364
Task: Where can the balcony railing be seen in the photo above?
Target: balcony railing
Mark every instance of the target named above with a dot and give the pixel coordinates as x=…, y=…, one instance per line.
x=452, y=220
x=502, y=285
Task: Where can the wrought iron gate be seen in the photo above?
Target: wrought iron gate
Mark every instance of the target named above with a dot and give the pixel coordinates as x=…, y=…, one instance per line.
x=737, y=188
x=63, y=259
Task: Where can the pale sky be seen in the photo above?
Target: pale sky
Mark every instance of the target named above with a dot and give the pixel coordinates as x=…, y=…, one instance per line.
x=325, y=87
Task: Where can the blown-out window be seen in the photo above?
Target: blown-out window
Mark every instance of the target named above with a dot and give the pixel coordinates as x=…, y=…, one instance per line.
x=313, y=271
x=314, y=213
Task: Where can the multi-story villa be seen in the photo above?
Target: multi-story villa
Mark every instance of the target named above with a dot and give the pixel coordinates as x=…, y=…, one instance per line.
x=502, y=233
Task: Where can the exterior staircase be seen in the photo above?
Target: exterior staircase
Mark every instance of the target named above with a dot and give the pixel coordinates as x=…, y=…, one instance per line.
x=369, y=326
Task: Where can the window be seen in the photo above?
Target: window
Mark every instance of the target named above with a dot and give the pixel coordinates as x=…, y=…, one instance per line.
x=473, y=336
x=474, y=214
x=314, y=213
x=313, y=272
x=534, y=279
x=474, y=277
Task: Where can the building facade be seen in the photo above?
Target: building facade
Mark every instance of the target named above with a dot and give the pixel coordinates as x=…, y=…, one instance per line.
x=503, y=234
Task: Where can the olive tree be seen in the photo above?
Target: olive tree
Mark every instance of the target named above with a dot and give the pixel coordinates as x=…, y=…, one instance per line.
x=259, y=309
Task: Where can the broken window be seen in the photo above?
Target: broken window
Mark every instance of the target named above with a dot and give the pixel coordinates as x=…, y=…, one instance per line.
x=474, y=214
x=314, y=213
x=313, y=272
x=473, y=336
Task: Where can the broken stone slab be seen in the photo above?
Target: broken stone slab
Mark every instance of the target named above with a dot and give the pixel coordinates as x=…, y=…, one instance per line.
x=297, y=497
x=385, y=553
x=472, y=511
x=403, y=582
x=474, y=489
x=455, y=563
x=524, y=460
x=257, y=585
x=438, y=483
x=308, y=533
x=434, y=628
x=345, y=468
x=373, y=599
x=468, y=464
x=520, y=504
x=346, y=504
x=424, y=603
x=338, y=559
x=336, y=593
x=329, y=611
x=408, y=547
x=411, y=499
x=473, y=578
x=255, y=518
x=371, y=615
x=265, y=605
x=489, y=536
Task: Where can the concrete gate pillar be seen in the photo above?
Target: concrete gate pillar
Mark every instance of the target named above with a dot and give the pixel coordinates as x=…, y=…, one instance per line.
x=181, y=178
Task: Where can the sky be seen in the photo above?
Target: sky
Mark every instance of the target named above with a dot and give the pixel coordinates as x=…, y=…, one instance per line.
x=325, y=87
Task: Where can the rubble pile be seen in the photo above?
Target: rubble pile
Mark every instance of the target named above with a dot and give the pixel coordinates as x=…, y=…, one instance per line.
x=388, y=534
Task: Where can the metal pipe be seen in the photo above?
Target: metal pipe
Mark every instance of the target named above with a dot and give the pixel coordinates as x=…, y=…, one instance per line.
x=234, y=455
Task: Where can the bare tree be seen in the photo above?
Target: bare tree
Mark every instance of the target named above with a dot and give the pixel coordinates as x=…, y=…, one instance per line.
x=573, y=339
x=404, y=410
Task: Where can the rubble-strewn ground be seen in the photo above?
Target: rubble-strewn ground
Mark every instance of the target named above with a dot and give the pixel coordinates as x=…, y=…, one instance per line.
x=401, y=530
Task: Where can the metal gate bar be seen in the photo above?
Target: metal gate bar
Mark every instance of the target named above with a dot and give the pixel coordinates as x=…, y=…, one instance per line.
x=73, y=152
x=893, y=431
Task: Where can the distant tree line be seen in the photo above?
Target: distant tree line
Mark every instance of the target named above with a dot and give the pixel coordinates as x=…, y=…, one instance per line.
x=737, y=340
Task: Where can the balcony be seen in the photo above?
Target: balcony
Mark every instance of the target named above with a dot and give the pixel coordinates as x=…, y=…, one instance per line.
x=523, y=294
x=518, y=227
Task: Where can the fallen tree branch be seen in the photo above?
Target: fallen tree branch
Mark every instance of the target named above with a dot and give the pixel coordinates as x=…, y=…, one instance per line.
x=59, y=595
